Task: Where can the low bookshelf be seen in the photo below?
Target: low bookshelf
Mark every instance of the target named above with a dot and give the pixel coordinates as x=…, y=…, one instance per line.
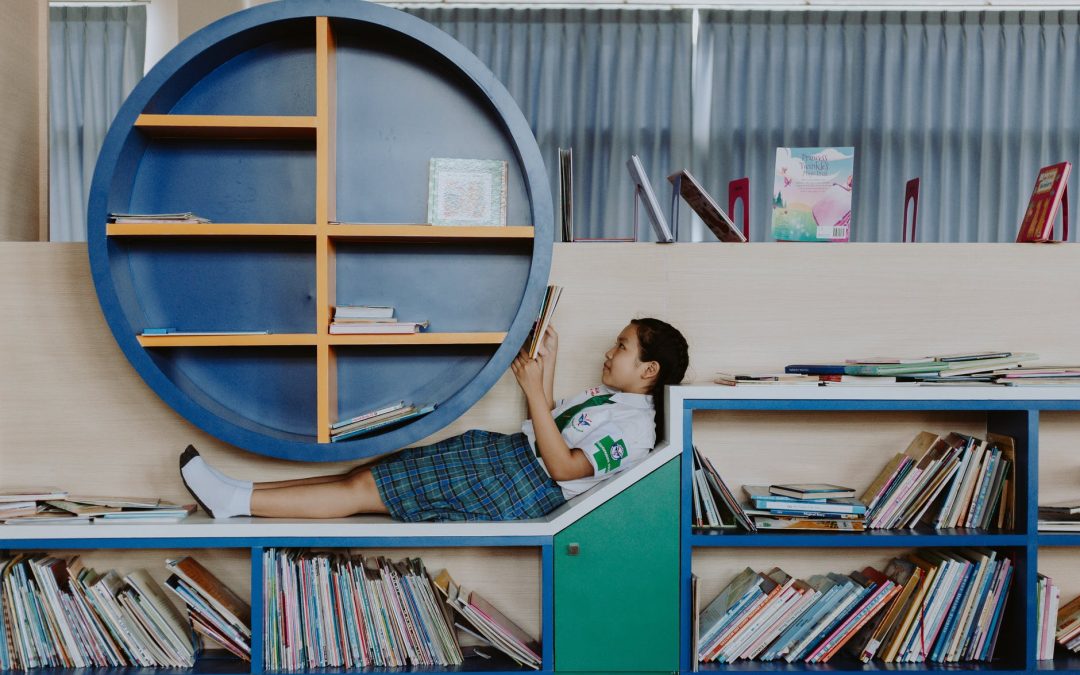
x=795, y=433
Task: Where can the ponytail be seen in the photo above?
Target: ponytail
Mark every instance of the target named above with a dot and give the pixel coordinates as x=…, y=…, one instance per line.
x=663, y=343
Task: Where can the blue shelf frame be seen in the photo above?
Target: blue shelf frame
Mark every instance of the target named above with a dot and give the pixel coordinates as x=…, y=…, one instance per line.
x=241, y=35
x=257, y=545
x=1016, y=418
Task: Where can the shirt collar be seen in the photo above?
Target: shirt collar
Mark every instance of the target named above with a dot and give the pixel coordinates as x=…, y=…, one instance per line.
x=625, y=398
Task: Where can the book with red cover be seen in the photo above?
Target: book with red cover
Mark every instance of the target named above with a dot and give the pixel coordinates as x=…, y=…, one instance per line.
x=1038, y=223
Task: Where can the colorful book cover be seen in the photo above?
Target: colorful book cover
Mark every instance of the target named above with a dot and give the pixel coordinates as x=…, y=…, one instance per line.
x=1038, y=223
x=811, y=197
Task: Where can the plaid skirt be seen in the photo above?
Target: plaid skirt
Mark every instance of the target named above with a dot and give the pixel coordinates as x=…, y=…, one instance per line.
x=478, y=475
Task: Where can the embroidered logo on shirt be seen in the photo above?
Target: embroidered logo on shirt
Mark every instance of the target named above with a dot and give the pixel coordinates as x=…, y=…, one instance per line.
x=592, y=392
x=581, y=422
x=609, y=454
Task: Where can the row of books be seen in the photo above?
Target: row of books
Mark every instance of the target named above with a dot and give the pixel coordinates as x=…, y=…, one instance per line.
x=371, y=320
x=1003, y=368
x=57, y=613
x=378, y=418
x=340, y=610
x=939, y=606
x=1067, y=624
x=946, y=482
x=53, y=506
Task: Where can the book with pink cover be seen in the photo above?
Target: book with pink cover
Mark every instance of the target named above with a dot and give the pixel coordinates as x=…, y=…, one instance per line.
x=811, y=197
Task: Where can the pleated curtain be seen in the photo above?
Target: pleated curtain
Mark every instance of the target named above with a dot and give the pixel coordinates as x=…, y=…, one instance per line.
x=607, y=83
x=95, y=58
x=972, y=103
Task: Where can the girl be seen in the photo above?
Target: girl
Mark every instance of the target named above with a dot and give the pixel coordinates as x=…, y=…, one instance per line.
x=561, y=451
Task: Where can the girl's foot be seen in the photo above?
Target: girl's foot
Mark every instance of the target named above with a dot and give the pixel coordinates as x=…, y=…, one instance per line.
x=190, y=450
x=220, y=499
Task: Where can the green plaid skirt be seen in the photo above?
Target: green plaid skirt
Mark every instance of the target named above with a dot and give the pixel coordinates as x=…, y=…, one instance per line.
x=478, y=475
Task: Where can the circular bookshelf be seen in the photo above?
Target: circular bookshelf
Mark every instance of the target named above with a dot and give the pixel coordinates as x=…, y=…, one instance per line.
x=303, y=131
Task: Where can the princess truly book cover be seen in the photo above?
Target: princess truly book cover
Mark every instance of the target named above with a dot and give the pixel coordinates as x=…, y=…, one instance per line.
x=812, y=194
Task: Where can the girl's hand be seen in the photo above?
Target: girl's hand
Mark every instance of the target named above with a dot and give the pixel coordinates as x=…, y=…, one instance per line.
x=549, y=345
x=529, y=374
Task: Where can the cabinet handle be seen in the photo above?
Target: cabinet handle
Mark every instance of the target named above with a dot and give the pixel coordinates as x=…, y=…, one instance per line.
x=573, y=549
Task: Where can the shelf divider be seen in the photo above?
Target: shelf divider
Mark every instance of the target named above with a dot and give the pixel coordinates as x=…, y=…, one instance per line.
x=231, y=127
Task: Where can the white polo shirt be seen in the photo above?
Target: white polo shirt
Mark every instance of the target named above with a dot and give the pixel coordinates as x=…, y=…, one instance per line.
x=614, y=429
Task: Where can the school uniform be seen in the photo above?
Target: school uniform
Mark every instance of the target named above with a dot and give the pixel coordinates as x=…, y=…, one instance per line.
x=484, y=475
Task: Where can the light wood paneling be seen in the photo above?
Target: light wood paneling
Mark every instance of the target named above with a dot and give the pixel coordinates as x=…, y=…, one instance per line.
x=75, y=413
x=22, y=79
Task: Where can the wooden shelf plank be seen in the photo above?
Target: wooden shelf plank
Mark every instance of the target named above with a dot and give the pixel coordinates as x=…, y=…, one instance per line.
x=271, y=340
x=310, y=339
x=420, y=339
x=390, y=231
x=241, y=127
x=210, y=230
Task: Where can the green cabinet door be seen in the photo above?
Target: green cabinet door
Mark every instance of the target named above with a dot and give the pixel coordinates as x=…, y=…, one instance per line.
x=617, y=582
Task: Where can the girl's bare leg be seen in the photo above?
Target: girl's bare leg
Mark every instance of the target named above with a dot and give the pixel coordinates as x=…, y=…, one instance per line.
x=335, y=497
x=310, y=480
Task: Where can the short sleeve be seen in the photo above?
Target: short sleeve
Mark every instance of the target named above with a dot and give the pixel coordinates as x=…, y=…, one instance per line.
x=607, y=447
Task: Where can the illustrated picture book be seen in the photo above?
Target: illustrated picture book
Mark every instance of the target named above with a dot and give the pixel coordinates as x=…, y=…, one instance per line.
x=811, y=197
x=1046, y=198
x=467, y=191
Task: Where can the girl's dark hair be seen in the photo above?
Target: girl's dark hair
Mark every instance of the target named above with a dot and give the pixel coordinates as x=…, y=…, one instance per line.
x=663, y=343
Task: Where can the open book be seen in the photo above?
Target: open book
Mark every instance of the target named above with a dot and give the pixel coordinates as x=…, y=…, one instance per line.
x=551, y=298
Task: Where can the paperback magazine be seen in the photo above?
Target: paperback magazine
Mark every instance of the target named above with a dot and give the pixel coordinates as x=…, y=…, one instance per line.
x=811, y=197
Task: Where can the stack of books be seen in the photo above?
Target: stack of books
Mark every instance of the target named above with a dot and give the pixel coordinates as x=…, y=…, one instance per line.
x=955, y=481
x=341, y=610
x=795, y=507
x=486, y=623
x=965, y=368
x=1068, y=625
x=733, y=379
x=1042, y=376
x=59, y=614
x=1060, y=516
x=371, y=320
x=180, y=218
x=715, y=507
x=1047, y=600
x=379, y=418
x=214, y=610
x=936, y=606
x=52, y=506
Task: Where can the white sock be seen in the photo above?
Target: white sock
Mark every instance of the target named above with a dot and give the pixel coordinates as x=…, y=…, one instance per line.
x=235, y=482
x=219, y=498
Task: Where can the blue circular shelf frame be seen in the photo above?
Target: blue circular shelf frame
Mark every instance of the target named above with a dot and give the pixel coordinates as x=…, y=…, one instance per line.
x=113, y=190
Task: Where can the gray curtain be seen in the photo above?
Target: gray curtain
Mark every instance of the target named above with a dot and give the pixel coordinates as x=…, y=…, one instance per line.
x=973, y=103
x=608, y=83
x=95, y=58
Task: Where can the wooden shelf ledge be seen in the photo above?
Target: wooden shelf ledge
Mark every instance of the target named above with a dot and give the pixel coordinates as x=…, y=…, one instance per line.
x=210, y=230
x=238, y=127
x=392, y=231
x=311, y=340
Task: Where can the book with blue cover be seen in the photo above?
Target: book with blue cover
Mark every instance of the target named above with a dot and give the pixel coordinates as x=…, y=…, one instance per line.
x=763, y=499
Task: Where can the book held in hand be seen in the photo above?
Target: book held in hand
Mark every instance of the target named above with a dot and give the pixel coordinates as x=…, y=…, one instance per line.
x=547, y=310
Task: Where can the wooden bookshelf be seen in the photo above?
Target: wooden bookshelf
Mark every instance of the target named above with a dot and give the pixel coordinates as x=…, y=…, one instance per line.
x=223, y=151
x=253, y=127
x=311, y=339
